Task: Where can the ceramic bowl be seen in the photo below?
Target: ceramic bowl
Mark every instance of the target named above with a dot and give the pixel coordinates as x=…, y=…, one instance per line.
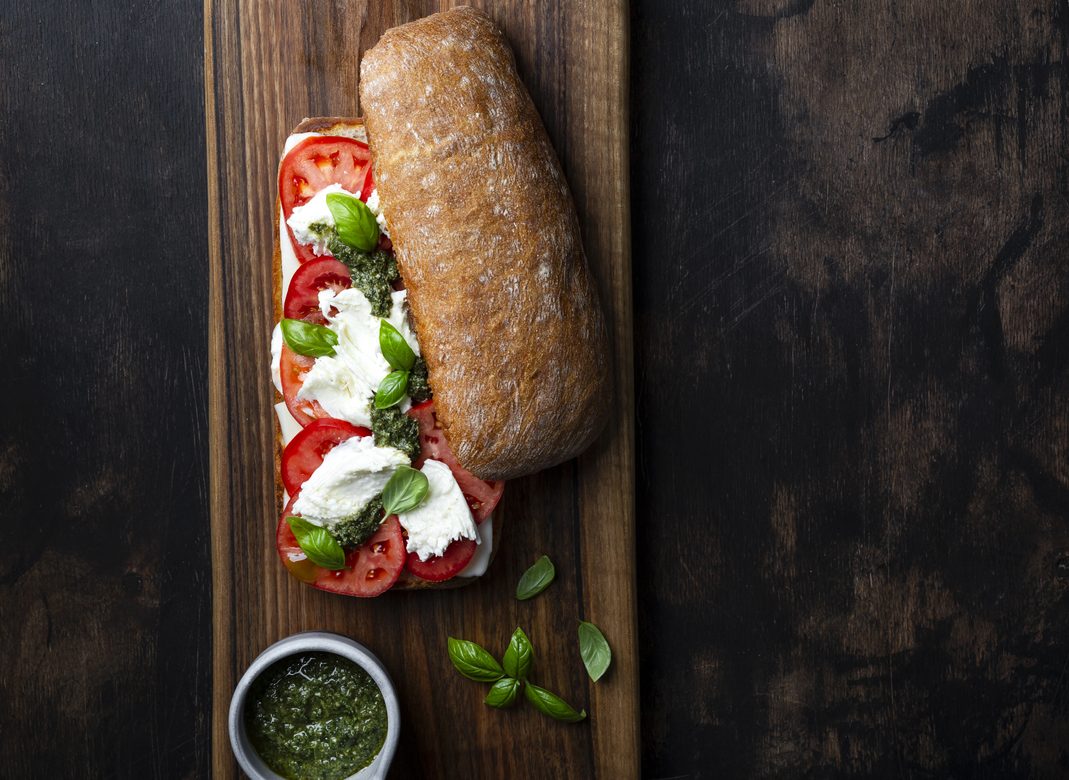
x=314, y=642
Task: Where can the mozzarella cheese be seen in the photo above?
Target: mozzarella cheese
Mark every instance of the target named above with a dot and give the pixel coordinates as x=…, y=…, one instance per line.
x=480, y=562
x=295, y=139
x=350, y=475
x=345, y=383
x=443, y=517
x=276, y=356
x=376, y=209
x=313, y=223
x=286, y=423
x=289, y=260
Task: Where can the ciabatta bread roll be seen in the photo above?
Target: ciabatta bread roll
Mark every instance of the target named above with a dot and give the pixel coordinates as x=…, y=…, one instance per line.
x=488, y=245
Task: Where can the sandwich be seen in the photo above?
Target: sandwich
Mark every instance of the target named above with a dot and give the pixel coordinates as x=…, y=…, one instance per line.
x=439, y=329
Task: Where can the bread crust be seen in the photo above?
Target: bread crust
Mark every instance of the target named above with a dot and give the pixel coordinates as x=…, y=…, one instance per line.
x=349, y=127
x=488, y=244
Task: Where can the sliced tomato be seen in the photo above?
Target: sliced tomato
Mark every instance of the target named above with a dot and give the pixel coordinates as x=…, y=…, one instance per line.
x=302, y=299
x=313, y=164
x=370, y=569
x=307, y=449
x=442, y=567
x=368, y=186
x=292, y=368
x=290, y=552
x=482, y=496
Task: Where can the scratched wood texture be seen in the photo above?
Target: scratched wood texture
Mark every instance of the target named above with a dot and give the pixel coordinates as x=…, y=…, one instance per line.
x=104, y=585
x=851, y=253
x=267, y=65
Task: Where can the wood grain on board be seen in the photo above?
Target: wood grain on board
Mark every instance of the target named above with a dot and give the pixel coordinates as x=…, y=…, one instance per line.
x=268, y=65
x=861, y=215
x=103, y=477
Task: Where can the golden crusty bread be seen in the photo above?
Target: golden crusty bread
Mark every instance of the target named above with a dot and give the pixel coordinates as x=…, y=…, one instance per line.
x=351, y=128
x=488, y=244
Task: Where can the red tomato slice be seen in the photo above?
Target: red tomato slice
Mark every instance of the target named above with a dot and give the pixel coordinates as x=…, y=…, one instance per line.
x=370, y=569
x=302, y=299
x=482, y=496
x=290, y=552
x=443, y=567
x=369, y=185
x=307, y=449
x=313, y=164
x=292, y=368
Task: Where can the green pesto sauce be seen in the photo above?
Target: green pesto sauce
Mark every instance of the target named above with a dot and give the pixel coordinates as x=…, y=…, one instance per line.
x=394, y=428
x=355, y=530
x=316, y=716
x=372, y=273
x=418, y=389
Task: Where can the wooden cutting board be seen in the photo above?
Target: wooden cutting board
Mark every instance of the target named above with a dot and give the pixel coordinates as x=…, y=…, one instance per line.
x=268, y=65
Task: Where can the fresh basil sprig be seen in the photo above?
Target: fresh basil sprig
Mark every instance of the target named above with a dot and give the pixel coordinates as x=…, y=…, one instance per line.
x=595, y=650
x=407, y=489
x=321, y=548
x=308, y=338
x=391, y=390
x=354, y=221
x=503, y=693
x=473, y=662
x=394, y=347
x=552, y=704
x=517, y=658
x=536, y=579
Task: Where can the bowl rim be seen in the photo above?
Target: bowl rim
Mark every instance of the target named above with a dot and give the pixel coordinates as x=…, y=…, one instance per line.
x=321, y=642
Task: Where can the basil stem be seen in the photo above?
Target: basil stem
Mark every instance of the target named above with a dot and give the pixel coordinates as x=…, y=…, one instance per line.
x=354, y=221
x=536, y=579
x=308, y=338
x=321, y=548
x=406, y=490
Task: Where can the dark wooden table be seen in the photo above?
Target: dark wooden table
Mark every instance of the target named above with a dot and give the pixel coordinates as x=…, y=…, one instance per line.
x=851, y=275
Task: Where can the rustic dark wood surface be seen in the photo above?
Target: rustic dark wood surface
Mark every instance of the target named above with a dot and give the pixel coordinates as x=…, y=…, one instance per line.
x=851, y=244
x=104, y=575
x=850, y=231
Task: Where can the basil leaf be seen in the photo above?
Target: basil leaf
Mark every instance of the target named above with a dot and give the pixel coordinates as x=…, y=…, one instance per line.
x=307, y=338
x=517, y=659
x=354, y=221
x=473, y=662
x=551, y=704
x=536, y=579
x=594, y=649
x=503, y=693
x=391, y=389
x=406, y=490
x=321, y=548
x=394, y=347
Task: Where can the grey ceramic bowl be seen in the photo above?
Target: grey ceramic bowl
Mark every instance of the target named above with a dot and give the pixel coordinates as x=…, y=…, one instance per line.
x=314, y=642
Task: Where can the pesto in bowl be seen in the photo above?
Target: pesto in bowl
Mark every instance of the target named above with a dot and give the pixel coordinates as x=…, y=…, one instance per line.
x=315, y=716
